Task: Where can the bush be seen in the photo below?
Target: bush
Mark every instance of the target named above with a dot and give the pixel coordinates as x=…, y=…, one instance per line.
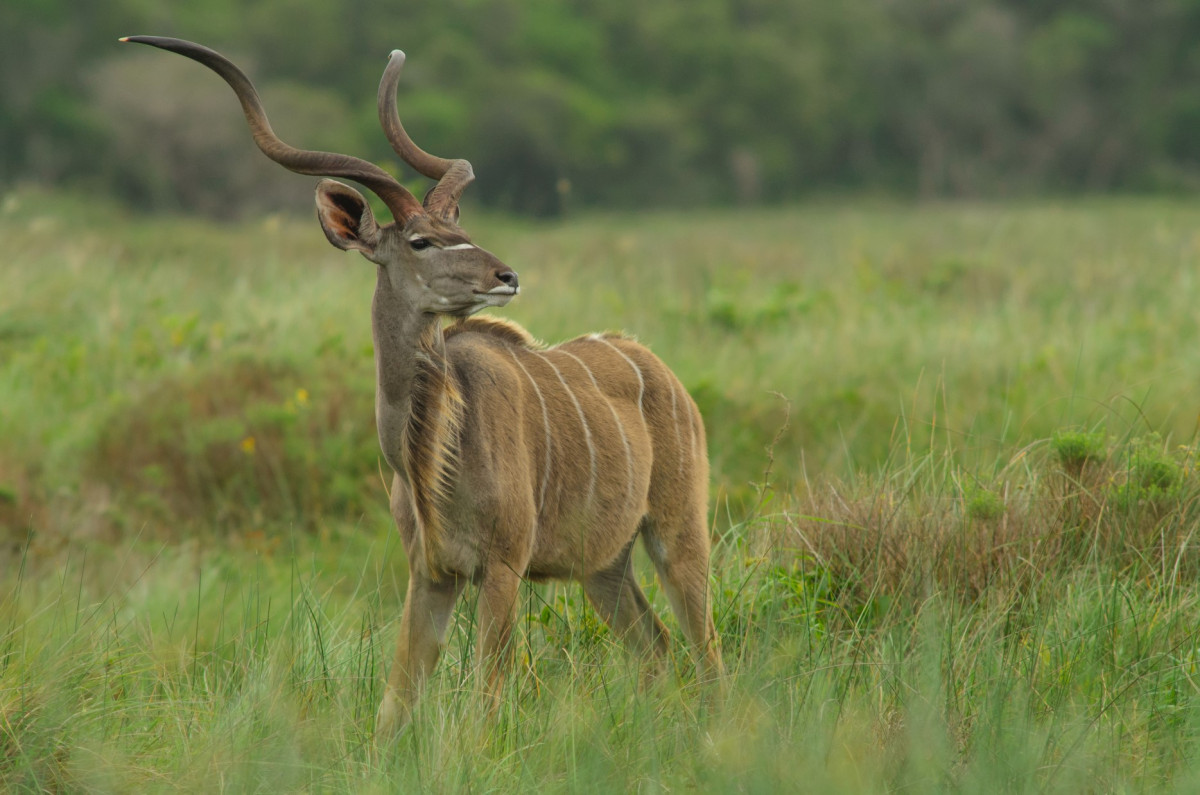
x=1075, y=448
x=235, y=444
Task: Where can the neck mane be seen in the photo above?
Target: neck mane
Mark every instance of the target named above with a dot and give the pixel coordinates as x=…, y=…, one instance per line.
x=432, y=436
x=431, y=440
x=419, y=406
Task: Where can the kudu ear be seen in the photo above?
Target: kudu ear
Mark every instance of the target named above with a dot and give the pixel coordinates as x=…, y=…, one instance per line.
x=346, y=217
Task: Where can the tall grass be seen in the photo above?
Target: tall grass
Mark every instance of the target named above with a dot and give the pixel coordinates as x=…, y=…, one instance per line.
x=959, y=554
x=935, y=649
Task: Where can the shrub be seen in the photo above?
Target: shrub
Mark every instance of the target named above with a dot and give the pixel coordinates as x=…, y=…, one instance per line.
x=242, y=441
x=1077, y=448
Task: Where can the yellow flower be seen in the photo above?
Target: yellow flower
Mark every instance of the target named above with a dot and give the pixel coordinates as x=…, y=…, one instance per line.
x=248, y=445
x=302, y=396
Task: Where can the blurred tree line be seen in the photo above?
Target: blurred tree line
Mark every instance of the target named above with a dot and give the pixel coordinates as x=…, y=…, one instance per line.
x=563, y=103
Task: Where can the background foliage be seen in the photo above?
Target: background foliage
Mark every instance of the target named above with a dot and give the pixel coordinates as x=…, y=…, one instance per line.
x=956, y=470
x=564, y=103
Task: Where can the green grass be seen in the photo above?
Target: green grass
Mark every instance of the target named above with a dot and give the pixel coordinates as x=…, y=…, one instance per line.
x=956, y=502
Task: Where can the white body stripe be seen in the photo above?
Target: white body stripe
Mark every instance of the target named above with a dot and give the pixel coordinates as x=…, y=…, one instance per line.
x=616, y=419
x=687, y=420
x=636, y=371
x=546, y=424
x=675, y=424
x=695, y=436
x=458, y=247
x=587, y=432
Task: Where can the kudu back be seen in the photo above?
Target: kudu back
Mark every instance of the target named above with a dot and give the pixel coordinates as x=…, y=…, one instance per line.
x=511, y=459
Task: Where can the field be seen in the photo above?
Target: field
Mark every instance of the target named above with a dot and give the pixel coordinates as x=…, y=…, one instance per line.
x=955, y=500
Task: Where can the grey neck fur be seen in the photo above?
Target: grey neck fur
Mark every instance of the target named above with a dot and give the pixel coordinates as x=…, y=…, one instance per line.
x=398, y=329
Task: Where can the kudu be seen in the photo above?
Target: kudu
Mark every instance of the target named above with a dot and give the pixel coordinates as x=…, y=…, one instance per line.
x=511, y=459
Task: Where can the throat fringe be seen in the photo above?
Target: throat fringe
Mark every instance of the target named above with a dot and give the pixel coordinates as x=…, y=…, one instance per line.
x=431, y=442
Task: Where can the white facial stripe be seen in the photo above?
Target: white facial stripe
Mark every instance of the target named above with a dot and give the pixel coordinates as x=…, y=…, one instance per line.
x=458, y=247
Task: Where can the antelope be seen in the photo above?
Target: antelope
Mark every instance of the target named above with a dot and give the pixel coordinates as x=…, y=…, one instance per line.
x=511, y=459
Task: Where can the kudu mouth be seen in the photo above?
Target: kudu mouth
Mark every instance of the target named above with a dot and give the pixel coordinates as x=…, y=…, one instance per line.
x=511, y=285
x=501, y=294
x=497, y=296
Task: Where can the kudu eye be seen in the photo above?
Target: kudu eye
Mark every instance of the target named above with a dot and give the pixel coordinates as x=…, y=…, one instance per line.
x=419, y=243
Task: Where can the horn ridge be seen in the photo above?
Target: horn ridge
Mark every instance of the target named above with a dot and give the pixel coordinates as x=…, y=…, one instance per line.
x=398, y=199
x=453, y=175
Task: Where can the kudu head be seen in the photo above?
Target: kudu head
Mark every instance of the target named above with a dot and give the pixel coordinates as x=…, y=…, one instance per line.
x=427, y=257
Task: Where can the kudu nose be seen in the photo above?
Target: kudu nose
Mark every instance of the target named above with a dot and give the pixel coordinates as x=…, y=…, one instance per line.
x=509, y=278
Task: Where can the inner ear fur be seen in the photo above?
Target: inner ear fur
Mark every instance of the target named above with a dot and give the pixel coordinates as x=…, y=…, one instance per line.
x=346, y=217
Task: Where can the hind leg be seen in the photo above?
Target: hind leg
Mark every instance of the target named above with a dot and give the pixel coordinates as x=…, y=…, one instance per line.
x=616, y=596
x=680, y=552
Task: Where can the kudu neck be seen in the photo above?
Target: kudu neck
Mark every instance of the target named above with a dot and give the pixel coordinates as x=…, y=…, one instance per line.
x=405, y=339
